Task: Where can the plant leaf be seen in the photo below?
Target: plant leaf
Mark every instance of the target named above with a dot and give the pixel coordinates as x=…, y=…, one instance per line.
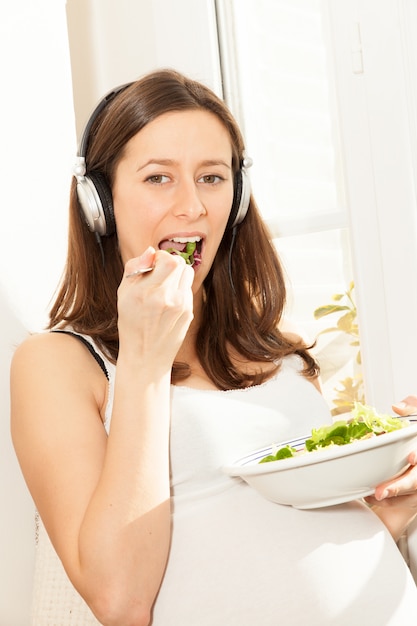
x=328, y=309
x=345, y=322
x=333, y=329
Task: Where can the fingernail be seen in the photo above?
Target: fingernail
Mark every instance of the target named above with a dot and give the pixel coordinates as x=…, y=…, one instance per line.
x=383, y=495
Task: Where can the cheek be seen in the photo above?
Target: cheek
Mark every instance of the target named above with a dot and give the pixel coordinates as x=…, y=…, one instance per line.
x=223, y=216
x=221, y=206
x=131, y=231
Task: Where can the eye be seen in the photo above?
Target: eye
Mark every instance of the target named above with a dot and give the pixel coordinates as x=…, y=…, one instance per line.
x=157, y=179
x=210, y=179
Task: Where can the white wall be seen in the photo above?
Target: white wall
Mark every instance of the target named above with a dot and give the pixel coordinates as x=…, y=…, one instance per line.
x=17, y=528
x=116, y=42
x=38, y=142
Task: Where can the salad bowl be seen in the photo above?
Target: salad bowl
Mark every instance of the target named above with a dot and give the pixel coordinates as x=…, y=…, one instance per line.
x=330, y=475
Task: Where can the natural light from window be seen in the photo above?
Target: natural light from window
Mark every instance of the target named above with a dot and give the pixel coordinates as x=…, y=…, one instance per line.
x=281, y=90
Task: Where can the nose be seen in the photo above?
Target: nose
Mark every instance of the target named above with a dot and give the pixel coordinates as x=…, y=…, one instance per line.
x=188, y=203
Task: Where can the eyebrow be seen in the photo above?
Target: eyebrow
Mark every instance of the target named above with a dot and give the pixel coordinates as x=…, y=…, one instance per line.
x=205, y=163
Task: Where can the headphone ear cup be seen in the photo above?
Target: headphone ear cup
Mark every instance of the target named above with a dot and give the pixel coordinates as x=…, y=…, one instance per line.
x=241, y=198
x=96, y=202
x=106, y=200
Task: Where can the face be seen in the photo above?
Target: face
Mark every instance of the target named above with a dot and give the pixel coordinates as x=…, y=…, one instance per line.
x=174, y=185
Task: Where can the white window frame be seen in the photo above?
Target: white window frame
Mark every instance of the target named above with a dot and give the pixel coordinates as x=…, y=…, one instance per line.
x=378, y=104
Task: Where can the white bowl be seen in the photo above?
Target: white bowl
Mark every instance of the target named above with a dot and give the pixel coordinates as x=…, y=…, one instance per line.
x=328, y=476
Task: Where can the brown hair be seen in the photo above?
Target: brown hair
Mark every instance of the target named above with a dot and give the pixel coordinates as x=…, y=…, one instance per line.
x=243, y=304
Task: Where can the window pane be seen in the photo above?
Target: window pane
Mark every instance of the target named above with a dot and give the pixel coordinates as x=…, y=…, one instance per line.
x=318, y=268
x=286, y=105
x=287, y=109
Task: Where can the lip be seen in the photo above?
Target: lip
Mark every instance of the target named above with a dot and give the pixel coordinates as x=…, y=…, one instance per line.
x=194, y=233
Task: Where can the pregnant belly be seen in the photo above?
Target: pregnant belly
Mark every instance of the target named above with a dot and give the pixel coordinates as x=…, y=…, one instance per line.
x=237, y=559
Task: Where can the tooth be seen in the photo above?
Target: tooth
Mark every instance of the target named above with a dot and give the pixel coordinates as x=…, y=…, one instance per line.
x=185, y=239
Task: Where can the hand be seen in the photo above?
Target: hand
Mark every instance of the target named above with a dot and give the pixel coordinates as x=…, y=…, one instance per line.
x=404, y=486
x=400, y=491
x=155, y=309
x=395, y=500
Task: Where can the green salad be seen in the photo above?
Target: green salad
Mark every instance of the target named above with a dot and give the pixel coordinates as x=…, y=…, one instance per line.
x=187, y=254
x=363, y=423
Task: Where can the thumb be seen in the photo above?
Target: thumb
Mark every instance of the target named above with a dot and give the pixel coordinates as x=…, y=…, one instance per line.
x=145, y=260
x=407, y=406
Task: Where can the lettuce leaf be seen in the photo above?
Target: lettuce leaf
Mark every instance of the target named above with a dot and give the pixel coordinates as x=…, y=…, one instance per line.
x=364, y=422
x=187, y=254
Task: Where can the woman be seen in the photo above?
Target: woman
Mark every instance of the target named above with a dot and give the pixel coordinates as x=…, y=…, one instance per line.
x=123, y=452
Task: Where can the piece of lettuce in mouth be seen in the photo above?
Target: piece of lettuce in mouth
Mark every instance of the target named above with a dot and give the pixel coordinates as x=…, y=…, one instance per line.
x=187, y=254
x=364, y=422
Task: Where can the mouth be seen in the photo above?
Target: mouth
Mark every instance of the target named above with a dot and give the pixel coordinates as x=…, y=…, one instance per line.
x=187, y=247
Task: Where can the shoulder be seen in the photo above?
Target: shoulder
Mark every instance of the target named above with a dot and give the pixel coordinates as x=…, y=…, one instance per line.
x=45, y=345
x=47, y=359
x=292, y=332
x=49, y=348
x=293, y=337
x=295, y=364
x=297, y=339
x=38, y=350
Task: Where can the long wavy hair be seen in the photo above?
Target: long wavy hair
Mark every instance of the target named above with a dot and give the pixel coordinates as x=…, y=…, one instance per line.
x=243, y=301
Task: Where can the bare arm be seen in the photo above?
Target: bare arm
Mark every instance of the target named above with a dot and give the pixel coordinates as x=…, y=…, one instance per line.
x=105, y=500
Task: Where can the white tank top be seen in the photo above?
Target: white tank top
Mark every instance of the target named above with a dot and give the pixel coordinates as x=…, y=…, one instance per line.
x=237, y=559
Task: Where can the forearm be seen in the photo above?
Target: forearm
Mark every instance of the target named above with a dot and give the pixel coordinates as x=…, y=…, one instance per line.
x=124, y=537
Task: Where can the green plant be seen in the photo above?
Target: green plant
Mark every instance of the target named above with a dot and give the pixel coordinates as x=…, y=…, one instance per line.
x=349, y=389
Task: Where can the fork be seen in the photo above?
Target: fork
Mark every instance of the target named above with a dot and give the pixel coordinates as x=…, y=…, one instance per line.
x=142, y=270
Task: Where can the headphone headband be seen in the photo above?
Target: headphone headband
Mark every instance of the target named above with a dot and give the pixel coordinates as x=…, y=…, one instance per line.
x=82, y=151
x=79, y=169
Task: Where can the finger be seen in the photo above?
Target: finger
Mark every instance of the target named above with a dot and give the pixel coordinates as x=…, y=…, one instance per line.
x=173, y=271
x=135, y=267
x=179, y=284
x=411, y=400
x=140, y=271
x=412, y=457
x=404, y=484
x=408, y=406
x=160, y=263
x=169, y=284
x=408, y=501
x=186, y=278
